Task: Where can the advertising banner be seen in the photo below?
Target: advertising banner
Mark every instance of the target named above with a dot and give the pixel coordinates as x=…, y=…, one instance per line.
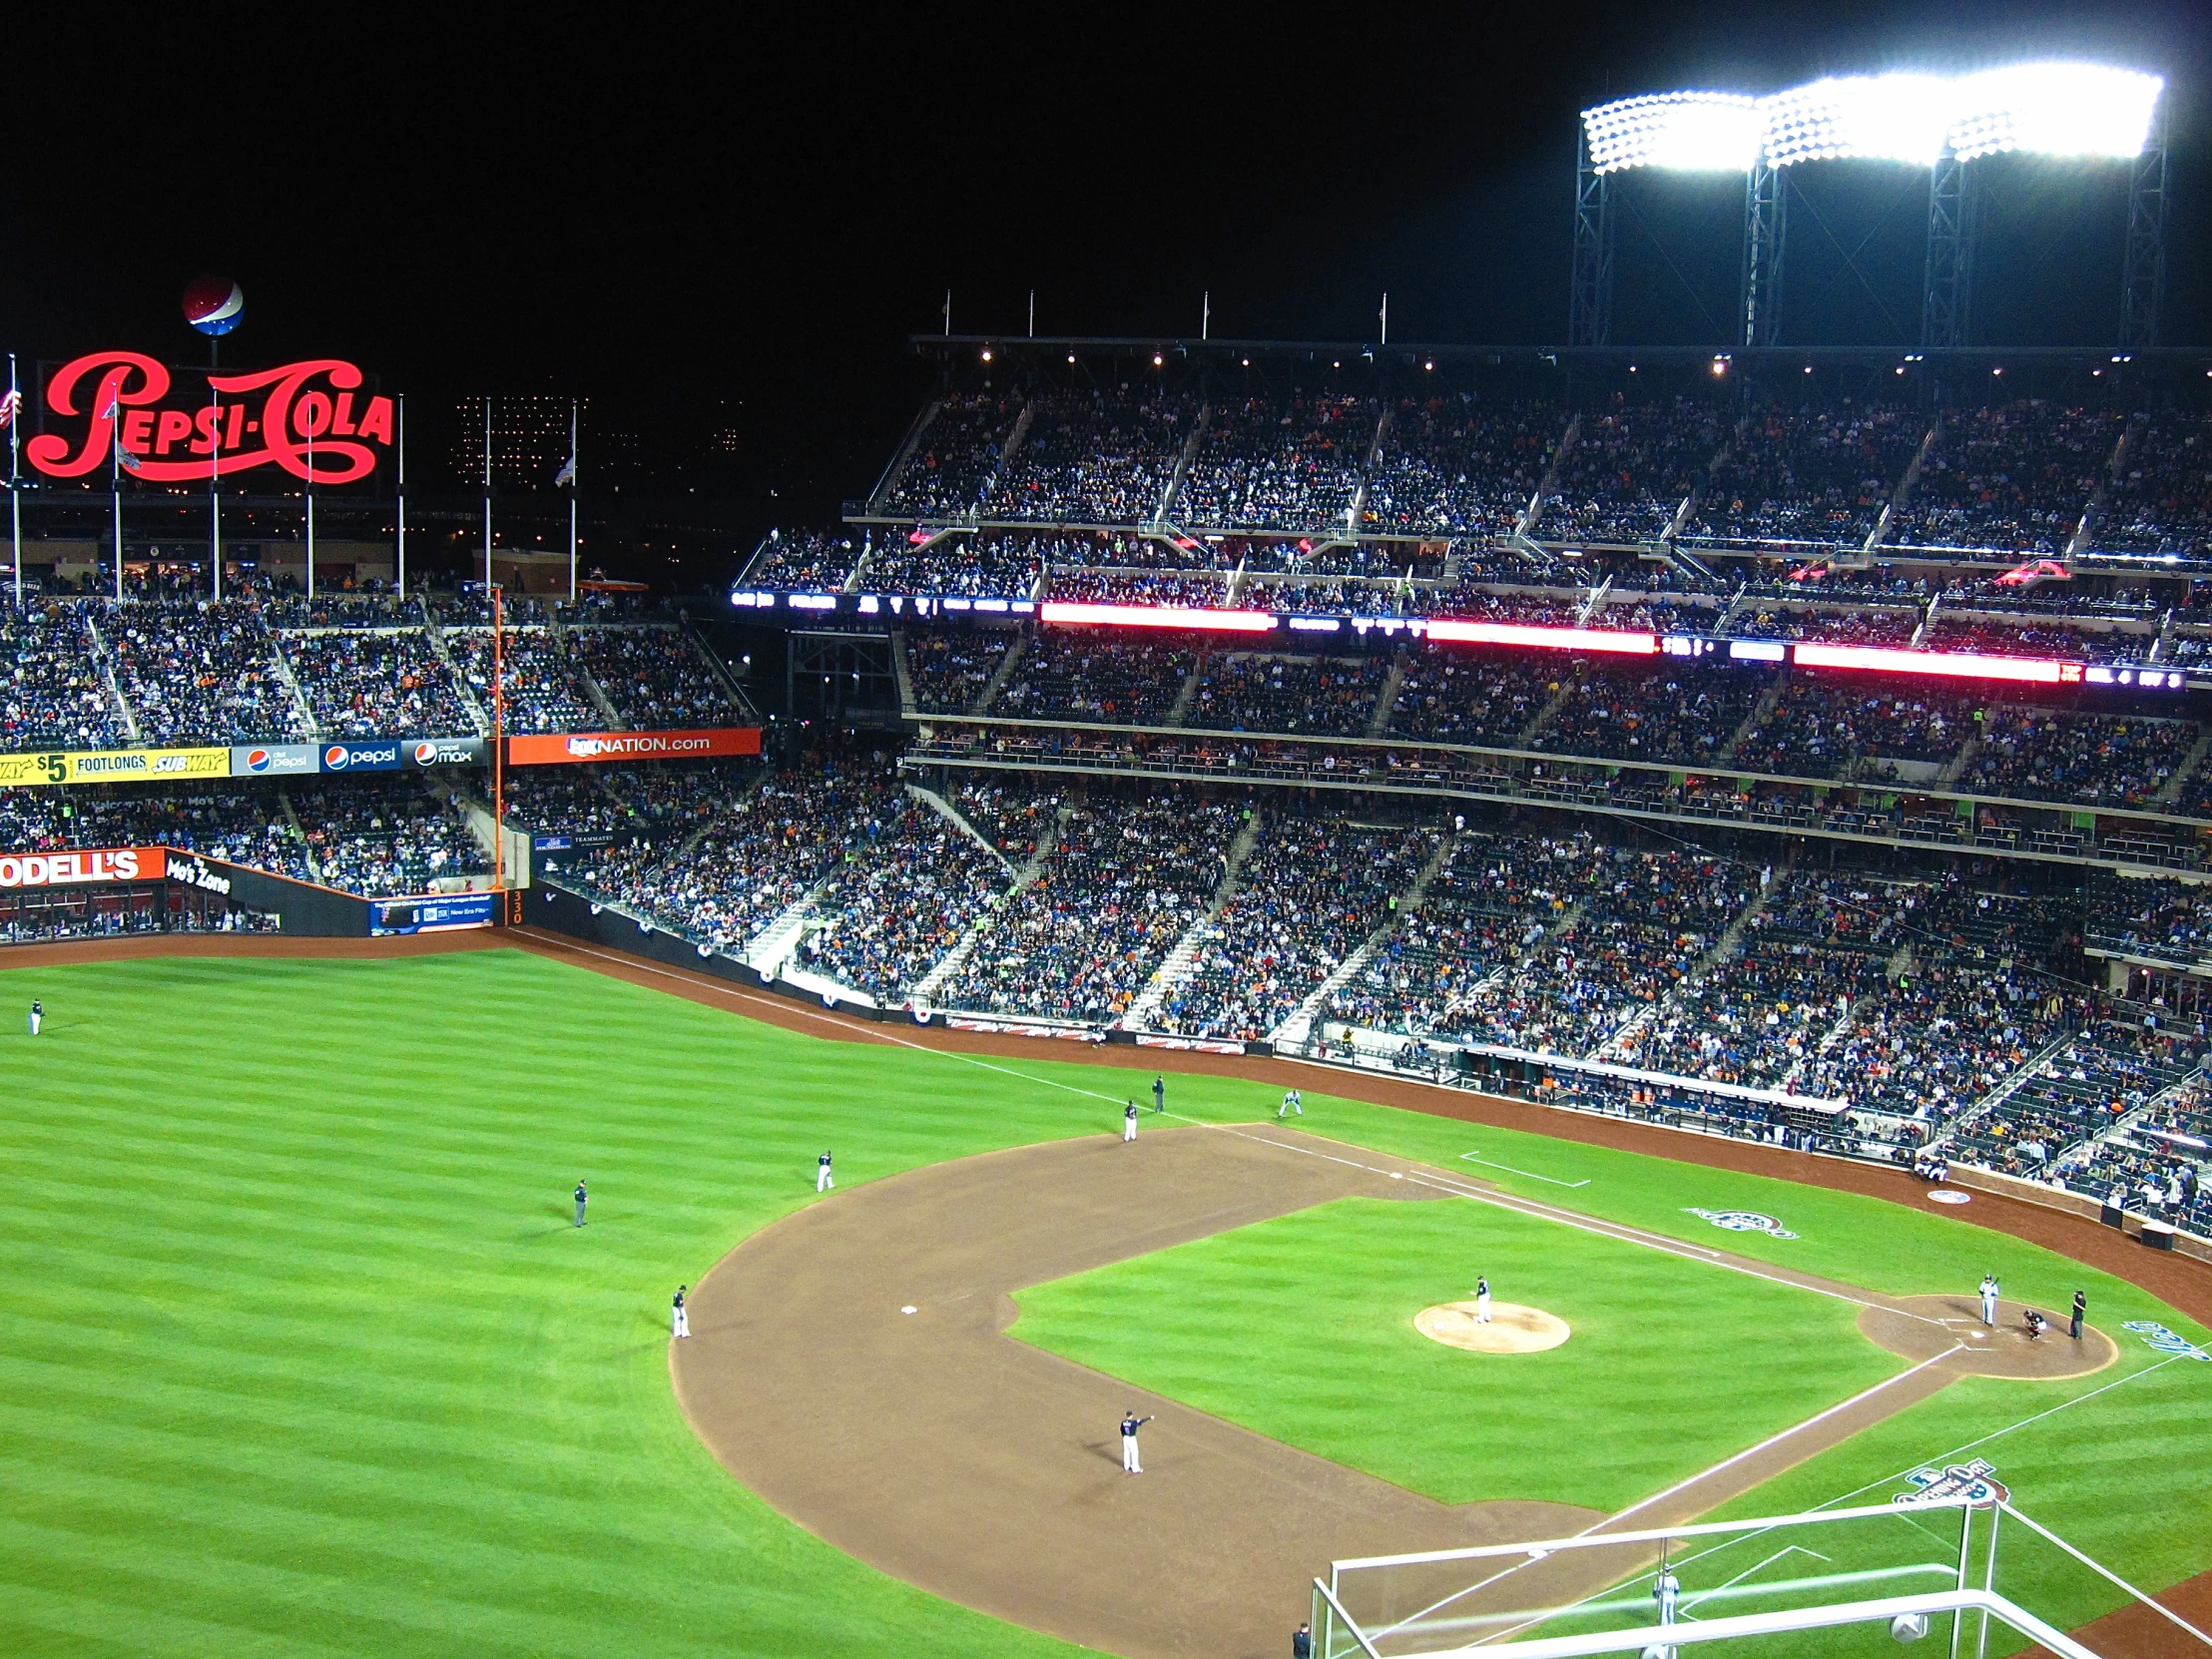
x=396, y=754
x=447, y=752
x=274, y=759
x=367, y=755
x=441, y=913
x=571, y=747
x=113, y=766
x=81, y=868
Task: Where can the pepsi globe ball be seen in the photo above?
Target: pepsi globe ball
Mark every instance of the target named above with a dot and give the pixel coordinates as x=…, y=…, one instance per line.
x=213, y=305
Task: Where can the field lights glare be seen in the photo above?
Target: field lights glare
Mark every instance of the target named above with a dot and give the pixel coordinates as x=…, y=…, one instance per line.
x=2044, y=109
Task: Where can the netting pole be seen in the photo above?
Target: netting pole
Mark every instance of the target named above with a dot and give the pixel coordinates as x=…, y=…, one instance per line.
x=1989, y=1579
x=1965, y=1541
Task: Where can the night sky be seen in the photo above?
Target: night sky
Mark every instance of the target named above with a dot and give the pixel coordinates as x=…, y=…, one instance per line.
x=736, y=222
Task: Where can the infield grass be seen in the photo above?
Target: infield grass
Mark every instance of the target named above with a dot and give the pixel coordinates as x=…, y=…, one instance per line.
x=298, y=1354
x=1302, y=1328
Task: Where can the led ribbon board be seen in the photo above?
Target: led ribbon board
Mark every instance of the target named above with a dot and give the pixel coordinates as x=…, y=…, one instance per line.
x=1956, y=665
x=1556, y=639
x=1155, y=616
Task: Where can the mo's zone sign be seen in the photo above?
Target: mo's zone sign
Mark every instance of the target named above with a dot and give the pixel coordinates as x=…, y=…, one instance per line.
x=312, y=419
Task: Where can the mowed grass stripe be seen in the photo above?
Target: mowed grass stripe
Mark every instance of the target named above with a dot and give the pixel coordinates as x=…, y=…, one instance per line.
x=297, y=1271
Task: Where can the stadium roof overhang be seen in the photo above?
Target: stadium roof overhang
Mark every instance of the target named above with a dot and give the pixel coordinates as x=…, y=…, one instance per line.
x=1348, y=352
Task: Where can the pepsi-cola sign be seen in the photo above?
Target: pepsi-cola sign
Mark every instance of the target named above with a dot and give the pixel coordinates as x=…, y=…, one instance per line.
x=382, y=756
x=312, y=418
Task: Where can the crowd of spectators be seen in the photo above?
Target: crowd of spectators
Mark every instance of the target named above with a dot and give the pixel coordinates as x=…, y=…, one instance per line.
x=1123, y=881
x=2088, y=760
x=1953, y=632
x=367, y=683
x=1095, y=457
x=381, y=838
x=2155, y=1165
x=900, y=902
x=758, y=855
x=1474, y=699
x=1246, y=693
x=1308, y=895
x=2015, y=478
x=1814, y=475
x=949, y=670
x=54, y=692
x=994, y=564
x=1630, y=469
x=955, y=459
x=810, y=559
x=1197, y=590
x=1273, y=463
x=2160, y=500
x=202, y=673
x=1819, y=729
x=350, y=608
x=656, y=677
x=536, y=678
x=1661, y=714
x=2158, y=917
x=1111, y=682
x=1868, y=626
x=1454, y=467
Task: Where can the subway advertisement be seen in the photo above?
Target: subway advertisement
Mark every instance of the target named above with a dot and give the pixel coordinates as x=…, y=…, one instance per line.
x=268, y=760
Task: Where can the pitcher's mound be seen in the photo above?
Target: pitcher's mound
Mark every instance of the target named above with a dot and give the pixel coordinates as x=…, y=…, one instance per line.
x=1513, y=1328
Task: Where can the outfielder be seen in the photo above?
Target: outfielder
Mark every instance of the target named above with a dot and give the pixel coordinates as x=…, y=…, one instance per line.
x=1129, y=1122
x=1160, y=1094
x=1481, y=1300
x=1292, y=1102
x=38, y=1016
x=823, y=1180
x=1130, y=1424
x=581, y=1195
x=682, y=1320
x=1989, y=1299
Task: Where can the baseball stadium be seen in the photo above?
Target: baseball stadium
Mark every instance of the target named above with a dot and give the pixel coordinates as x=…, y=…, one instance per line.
x=1286, y=995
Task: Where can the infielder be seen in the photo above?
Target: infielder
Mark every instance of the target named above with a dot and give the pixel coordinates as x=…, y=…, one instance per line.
x=1989, y=1299
x=1159, y=1094
x=38, y=1015
x=1666, y=1592
x=823, y=1180
x=1481, y=1300
x=1129, y=1122
x=682, y=1320
x=1130, y=1424
x=1292, y=1102
x=581, y=1195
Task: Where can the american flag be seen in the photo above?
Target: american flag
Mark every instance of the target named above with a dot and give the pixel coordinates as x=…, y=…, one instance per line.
x=11, y=406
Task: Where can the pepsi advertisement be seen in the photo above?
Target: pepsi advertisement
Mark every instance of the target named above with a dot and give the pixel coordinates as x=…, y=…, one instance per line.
x=400, y=753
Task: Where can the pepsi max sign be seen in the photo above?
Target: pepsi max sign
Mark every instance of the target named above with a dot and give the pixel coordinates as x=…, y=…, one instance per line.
x=274, y=760
x=447, y=751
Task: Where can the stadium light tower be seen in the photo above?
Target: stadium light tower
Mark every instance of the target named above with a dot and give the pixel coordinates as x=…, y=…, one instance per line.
x=1940, y=122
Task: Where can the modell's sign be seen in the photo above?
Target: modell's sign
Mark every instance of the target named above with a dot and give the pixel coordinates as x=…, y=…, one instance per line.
x=79, y=870
x=571, y=747
x=312, y=419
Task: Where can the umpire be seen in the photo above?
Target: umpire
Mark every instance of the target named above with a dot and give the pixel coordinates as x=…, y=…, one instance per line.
x=2080, y=1307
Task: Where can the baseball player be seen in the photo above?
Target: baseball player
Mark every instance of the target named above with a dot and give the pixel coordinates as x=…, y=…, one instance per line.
x=1291, y=1103
x=581, y=1195
x=1159, y=1094
x=1481, y=1300
x=1666, y=1592
x=1989, y=1299
x=2081, y=1309
x=1130, y=1424
x=682, y=1318
x=823, y=1180
x=38, y=1015
x=1129, y=1122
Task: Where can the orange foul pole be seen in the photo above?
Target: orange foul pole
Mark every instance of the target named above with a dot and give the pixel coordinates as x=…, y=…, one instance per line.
x=498, y=741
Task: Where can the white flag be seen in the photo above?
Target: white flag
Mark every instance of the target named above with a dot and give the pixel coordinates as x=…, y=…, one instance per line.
x=567, y=474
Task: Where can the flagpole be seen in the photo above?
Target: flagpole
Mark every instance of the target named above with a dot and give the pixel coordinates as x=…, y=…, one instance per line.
x=403, y=495
x=115, y=485
x=572, y=488
x=15, y=500
x=310, y=515
x=487, y=494
x=215, y=487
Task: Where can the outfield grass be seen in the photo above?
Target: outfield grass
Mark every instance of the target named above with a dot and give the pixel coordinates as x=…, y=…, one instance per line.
x=1301, y=1327
x=299, y=1355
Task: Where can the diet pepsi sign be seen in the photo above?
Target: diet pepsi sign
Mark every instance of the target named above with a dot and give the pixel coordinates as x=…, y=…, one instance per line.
x=273, y=760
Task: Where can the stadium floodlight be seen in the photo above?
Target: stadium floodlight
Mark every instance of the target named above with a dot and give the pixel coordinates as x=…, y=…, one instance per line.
x=2046, y=109
x=1889, y=118
x=1687, y=131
